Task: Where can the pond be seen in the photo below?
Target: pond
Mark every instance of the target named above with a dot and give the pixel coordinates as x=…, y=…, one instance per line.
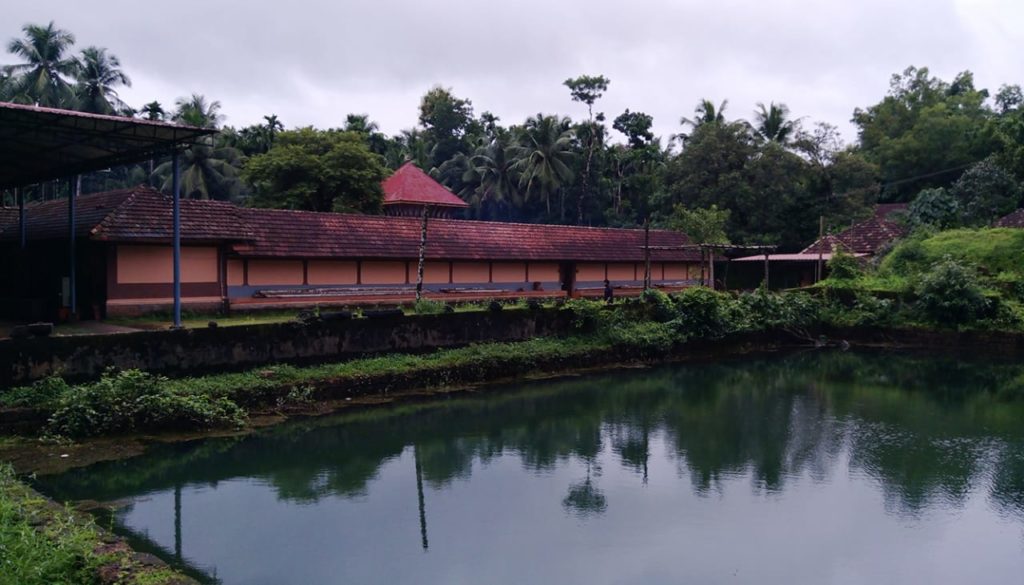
x=819, y=467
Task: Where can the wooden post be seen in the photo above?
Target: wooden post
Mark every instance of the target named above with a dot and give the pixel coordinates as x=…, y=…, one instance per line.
x=819, y=268
x=423, y=253
x=766, y=281
x=702, y=266
x=647, y=254
x=711, y=267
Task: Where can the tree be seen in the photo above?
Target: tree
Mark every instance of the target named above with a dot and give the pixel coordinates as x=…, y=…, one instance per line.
x=984, y=192
x=445, y=120
x=925, y=131
x=195, y=110
x=43, y=77
x=208, y=171
x=701, y=225
x=637, y=128
x=772, y=123
x=499, y=181
x=153, y=111
x=1009, y=98
x=936, y=208
x=318, y=170
x=543, y=156
x=98, y=76
x=588, y=89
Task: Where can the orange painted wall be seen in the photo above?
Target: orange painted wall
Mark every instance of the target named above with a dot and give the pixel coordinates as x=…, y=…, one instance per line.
x=589, y=271
x=433, y=272
x=236, y=273
x=331, y=272
x=622, y=271
x=466, y=272
x=542, y=272
x=275, y=272
x=508, y=272
x=676, y=271
x=154, y=264
x=383, y=272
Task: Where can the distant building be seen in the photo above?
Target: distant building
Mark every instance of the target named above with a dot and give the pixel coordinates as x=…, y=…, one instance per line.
x=258, y=258
x=1013, y=220
x=863, y=239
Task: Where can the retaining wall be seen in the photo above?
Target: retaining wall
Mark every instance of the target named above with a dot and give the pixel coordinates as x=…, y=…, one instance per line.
x=195, y=351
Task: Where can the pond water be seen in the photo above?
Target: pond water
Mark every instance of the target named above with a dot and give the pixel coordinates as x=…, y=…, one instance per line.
x=821, y=467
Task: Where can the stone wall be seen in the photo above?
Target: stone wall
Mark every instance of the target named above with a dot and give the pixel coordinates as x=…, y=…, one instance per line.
x=195, y=351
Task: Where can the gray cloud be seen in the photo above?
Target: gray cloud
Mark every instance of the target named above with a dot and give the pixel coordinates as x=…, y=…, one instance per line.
x=313, y=62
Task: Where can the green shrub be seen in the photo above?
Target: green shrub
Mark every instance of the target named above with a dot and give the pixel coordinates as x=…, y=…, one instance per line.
x=949, y=294
x=657, y=306
x=587, y=314
x=701, y=313
x=41, y=393
x=762, y=310
x=129, y=400
x=428, y=307
x=844, y=266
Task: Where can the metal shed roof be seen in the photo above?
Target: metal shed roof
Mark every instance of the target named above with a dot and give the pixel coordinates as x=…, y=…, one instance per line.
x=39, y=144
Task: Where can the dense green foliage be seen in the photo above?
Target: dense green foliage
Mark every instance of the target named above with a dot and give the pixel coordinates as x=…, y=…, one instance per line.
x=317, y=171
x=949, y=294
x=770, y=178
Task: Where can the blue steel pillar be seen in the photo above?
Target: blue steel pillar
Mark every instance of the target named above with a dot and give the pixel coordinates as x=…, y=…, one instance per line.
x=72, y=280
x=176, y=237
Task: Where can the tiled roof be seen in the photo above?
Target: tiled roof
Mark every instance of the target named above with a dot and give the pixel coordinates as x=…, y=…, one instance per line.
x=139, y=213
x=143, y=214
x=8, y=216
x=48, y=220
x=866, y=237
x=1013, y=220
x=282, y=233
x=147, y=215
x=411, y=185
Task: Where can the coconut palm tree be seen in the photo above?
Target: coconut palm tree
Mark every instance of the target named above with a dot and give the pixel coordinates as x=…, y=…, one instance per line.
x=705, y=113
x=196, y=111
x=499, y=181
x=543, y=156
x=272, y=127
x=153, y=111
x=208, y=171
x=99, y=73
x=43, y=76
x=772, y=123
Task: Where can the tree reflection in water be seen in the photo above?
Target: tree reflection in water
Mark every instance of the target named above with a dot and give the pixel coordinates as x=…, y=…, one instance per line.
x=925, y=429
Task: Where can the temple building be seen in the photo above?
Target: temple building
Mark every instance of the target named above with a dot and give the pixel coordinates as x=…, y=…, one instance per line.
x=237, y=257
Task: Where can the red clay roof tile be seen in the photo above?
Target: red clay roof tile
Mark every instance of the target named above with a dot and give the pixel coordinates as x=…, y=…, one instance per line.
x=1013, y=220
x=411, y=185
x=866, y=237
x=143, y=214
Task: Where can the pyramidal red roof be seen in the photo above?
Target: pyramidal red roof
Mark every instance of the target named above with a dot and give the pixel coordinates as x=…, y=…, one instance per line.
x=411, y=185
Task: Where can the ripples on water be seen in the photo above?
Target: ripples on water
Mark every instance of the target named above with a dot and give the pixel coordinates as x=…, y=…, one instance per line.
x=812, y=468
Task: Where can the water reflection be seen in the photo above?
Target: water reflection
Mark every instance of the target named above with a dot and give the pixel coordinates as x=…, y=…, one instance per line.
x=924, y=434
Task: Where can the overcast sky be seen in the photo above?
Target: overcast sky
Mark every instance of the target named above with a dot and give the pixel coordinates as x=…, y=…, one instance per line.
x=312, y=62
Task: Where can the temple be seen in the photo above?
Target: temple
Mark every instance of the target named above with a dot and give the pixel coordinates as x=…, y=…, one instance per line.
x=237, y=257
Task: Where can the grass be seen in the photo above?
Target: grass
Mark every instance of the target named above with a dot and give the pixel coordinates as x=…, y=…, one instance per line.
x=202, y=320
x=40, y=545
x=45, y=544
